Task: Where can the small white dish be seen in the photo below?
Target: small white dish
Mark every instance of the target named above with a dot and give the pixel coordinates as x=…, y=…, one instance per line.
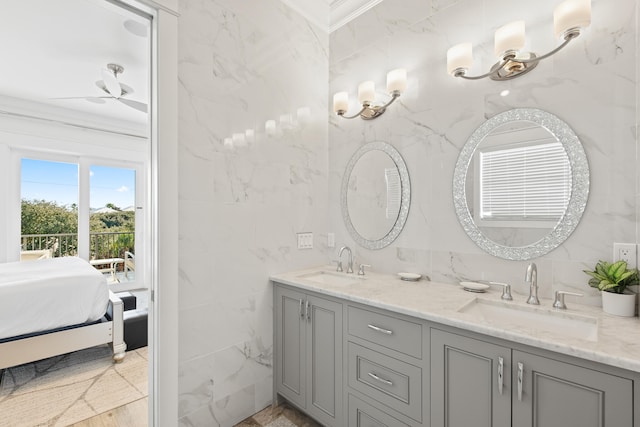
x=474, y=286
x=411, y=277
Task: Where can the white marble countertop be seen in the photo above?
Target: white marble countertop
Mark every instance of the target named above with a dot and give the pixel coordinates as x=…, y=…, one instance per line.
x=617, y=342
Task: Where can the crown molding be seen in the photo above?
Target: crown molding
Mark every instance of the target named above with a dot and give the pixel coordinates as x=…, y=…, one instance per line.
x=330, y=15
x=344, y=11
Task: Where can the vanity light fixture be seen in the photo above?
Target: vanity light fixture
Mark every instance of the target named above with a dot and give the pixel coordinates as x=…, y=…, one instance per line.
x=396, y=84
x=569, y=18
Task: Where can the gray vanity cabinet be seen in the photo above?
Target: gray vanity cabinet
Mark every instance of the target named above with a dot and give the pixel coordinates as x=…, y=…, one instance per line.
x=308, y=359
x=550, y=393
x=479, y=383
x=387, y=370
x=470, y=382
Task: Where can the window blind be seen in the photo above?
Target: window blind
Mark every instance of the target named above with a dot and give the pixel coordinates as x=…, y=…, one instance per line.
x=529, y=183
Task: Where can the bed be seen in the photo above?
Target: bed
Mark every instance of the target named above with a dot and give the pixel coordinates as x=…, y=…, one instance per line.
x=55, y=306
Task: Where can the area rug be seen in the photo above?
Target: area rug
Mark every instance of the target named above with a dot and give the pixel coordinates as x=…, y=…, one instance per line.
x=63, y=390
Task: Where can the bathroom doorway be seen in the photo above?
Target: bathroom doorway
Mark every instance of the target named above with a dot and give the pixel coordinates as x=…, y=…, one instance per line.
x=79, y=88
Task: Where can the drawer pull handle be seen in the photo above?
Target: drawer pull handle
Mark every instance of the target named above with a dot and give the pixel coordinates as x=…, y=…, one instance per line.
x=520, y=379
x=379, y=329
x=301, y=312
x=307, y=310
x=500, y=374
x=382, y=380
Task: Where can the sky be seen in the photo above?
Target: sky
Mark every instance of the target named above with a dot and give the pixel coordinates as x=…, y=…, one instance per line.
x=58, y=182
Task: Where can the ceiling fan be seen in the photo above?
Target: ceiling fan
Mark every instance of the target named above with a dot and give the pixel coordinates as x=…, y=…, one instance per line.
x=113, y=88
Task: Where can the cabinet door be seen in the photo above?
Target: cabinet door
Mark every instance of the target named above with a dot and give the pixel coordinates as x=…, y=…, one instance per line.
x=290, y=337
x=324, y=361
x=561, y=394
x=470, y=382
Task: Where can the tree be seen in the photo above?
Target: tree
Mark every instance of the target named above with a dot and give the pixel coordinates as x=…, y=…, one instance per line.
x=45, y=217
x=112, y=221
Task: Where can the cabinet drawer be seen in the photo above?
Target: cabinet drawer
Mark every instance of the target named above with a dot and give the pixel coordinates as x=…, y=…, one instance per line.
x=362, y=414
x=388, y=331
x=390, y=381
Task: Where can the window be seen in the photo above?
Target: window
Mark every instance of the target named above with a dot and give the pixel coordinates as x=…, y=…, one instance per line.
x=112, y=220
x=49, y=209
x=82, y=208
x=528, y=183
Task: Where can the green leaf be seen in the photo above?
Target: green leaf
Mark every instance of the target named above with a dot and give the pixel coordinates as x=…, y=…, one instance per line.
x=602, y=267
x=604, y=286
x=595, y=275
x=617, y=269
x=624, y=276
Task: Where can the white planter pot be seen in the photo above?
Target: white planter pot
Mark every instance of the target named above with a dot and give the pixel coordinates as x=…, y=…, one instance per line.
x=619, y=304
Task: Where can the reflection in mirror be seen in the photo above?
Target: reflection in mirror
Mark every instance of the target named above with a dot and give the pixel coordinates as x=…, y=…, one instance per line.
x=375, y=195
x=521, y=184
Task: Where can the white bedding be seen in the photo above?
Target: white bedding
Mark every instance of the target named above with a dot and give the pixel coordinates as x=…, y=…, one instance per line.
x=49, y=293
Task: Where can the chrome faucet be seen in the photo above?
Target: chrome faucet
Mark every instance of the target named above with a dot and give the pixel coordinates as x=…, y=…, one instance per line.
x=532, y=278
x=350, y=259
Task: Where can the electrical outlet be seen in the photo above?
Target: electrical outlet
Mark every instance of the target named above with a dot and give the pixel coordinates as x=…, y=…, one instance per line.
x=305, y=240
x=331, y=240
x=626, y=252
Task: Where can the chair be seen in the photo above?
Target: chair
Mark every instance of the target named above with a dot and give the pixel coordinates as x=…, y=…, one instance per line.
x=129, y=263
x=35, y=254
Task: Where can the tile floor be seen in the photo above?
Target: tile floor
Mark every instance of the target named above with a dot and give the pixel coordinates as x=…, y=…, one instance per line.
x=283, y=415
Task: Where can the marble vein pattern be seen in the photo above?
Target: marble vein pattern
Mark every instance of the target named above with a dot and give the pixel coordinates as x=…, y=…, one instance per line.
x=241, y=64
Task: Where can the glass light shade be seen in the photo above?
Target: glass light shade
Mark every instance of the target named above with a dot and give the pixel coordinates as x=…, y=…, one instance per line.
x=459, y=56
x=250, y=135
x=397, y=80
x=239, y=139
x=509, y=38
x=270, y=127
x=286, y=121
x=571, y=14
x=366, y=92
x=340, y=101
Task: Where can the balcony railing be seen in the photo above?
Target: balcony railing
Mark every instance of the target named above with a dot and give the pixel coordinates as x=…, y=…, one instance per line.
x=101, y=245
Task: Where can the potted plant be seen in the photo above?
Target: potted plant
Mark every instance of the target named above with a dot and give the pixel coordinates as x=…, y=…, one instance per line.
x=613, y=279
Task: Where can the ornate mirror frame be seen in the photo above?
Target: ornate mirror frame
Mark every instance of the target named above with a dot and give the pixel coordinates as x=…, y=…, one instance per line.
x=404, y=202
x=579, y=184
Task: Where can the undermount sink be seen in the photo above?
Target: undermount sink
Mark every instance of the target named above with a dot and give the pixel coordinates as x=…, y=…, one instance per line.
x=332, y=278
x=534, y=319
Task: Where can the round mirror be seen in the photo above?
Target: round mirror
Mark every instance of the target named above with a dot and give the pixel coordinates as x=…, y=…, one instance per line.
x=375, y=195
x=521, y=184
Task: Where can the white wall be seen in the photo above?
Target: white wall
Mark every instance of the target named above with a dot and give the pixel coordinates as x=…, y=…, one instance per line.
x=591, y=85
x=242, y=63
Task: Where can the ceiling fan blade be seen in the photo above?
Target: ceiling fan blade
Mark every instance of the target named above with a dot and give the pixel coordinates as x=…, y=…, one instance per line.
x=83, y=97
x=126, y=90
x=140, y=106
x=111, y=83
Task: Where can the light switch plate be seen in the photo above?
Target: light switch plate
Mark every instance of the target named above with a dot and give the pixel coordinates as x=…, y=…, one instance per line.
x=305, y=240
x=331, y=240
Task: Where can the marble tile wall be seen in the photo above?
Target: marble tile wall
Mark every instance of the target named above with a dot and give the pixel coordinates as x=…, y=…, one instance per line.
x=243, y=63
x=592, y=85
